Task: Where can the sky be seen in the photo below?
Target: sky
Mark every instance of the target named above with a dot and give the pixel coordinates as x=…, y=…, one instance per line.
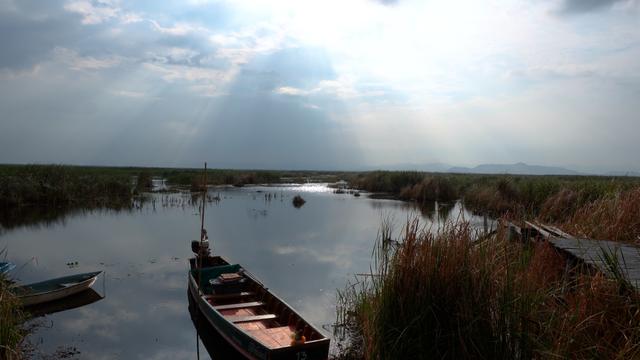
x=321, y=84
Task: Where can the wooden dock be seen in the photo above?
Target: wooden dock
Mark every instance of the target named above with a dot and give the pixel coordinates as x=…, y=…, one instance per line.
x=598, y=254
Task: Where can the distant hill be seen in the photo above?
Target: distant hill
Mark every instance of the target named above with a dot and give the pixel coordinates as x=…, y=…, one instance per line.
x=515, y=169
x=432, y=167
x=623, y=173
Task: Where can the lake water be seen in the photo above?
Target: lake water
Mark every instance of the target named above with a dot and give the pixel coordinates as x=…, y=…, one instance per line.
x=302, y=254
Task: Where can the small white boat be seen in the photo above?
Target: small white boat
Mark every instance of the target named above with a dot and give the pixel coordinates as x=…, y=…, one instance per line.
x=54, y=289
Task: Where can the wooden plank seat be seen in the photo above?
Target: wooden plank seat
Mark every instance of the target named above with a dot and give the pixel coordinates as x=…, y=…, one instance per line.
x=239, y=305
x=229, y=296
x=243, y=319
x=273, y=337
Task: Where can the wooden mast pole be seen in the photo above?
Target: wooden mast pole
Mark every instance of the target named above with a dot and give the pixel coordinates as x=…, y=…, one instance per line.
x=202, y=238
x=204, y=196
x=202, y=233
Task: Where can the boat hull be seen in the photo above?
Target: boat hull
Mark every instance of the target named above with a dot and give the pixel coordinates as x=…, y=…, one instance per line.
x=248, y=346
x=30, y=298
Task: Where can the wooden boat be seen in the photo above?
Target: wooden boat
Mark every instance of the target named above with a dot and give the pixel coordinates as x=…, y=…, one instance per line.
x=54, y=289
x=248, y=316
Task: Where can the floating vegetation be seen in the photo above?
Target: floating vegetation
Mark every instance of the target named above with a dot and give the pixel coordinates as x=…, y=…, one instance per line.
x=298, y=201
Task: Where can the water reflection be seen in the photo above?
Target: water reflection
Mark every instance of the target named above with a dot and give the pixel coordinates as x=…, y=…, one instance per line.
x=75, y=301
x=303, y=255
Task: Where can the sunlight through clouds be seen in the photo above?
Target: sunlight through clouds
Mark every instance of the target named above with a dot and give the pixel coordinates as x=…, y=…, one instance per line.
x=440, y=81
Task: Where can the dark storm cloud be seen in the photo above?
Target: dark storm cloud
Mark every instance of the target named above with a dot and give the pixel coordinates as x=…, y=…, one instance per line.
x=570, y=7
x=28, y=37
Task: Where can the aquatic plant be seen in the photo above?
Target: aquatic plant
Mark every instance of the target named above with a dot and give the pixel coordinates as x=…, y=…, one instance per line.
x=298, y=201
x=144, y=181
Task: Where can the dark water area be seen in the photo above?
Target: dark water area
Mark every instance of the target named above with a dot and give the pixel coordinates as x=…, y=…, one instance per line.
x=302, y=254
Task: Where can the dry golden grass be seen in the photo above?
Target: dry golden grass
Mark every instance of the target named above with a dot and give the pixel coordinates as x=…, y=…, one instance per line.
x=615, y=218
x=445, y=296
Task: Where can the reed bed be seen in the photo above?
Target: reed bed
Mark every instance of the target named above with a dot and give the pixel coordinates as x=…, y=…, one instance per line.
x=444, y=295
x=11, y=320
x=62, y=186
x=615, y=217
x=550, y=198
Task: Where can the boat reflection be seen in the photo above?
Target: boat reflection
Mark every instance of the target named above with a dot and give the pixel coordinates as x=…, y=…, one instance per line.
x=216, y=346
x=83, y=298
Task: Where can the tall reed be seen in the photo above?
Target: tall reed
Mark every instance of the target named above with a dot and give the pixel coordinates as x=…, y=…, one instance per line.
x=615, y=217
x=444, y=295
x=11, y=319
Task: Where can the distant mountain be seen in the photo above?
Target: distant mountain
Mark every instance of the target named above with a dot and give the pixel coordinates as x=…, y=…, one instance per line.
x=515, y=169
x=623, y=173
x=432, y=167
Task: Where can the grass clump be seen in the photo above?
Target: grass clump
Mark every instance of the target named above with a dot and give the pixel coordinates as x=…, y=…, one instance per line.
x=11, y=320
x=443, y=295
x=615, y=217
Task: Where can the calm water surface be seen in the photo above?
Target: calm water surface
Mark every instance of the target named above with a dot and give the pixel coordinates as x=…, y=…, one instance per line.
x=303, y=255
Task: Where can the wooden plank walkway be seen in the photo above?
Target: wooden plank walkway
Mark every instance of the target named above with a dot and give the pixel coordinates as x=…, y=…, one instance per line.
x=592, y=252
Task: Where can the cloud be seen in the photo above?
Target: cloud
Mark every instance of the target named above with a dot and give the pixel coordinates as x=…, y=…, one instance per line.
x=130, y=94
x=343, y=87
x=93, y=12
x=178, y=29
x=242, y=46
x=172, y=73
x=270, y=74
x=572, y=7
x=76, y=62
x=288, y=90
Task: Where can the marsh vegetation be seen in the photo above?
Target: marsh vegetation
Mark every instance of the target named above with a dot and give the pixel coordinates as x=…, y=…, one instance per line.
x=446, y=296
x=11, y=322
x=558, y=199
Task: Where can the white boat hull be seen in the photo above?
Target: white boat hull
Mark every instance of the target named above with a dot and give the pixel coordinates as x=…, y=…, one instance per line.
x=39, y=298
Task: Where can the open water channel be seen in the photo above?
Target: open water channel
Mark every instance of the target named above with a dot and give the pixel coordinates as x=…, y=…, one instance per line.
x=303, y=254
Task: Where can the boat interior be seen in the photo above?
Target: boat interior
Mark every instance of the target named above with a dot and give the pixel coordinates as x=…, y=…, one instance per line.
x=250, y=307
